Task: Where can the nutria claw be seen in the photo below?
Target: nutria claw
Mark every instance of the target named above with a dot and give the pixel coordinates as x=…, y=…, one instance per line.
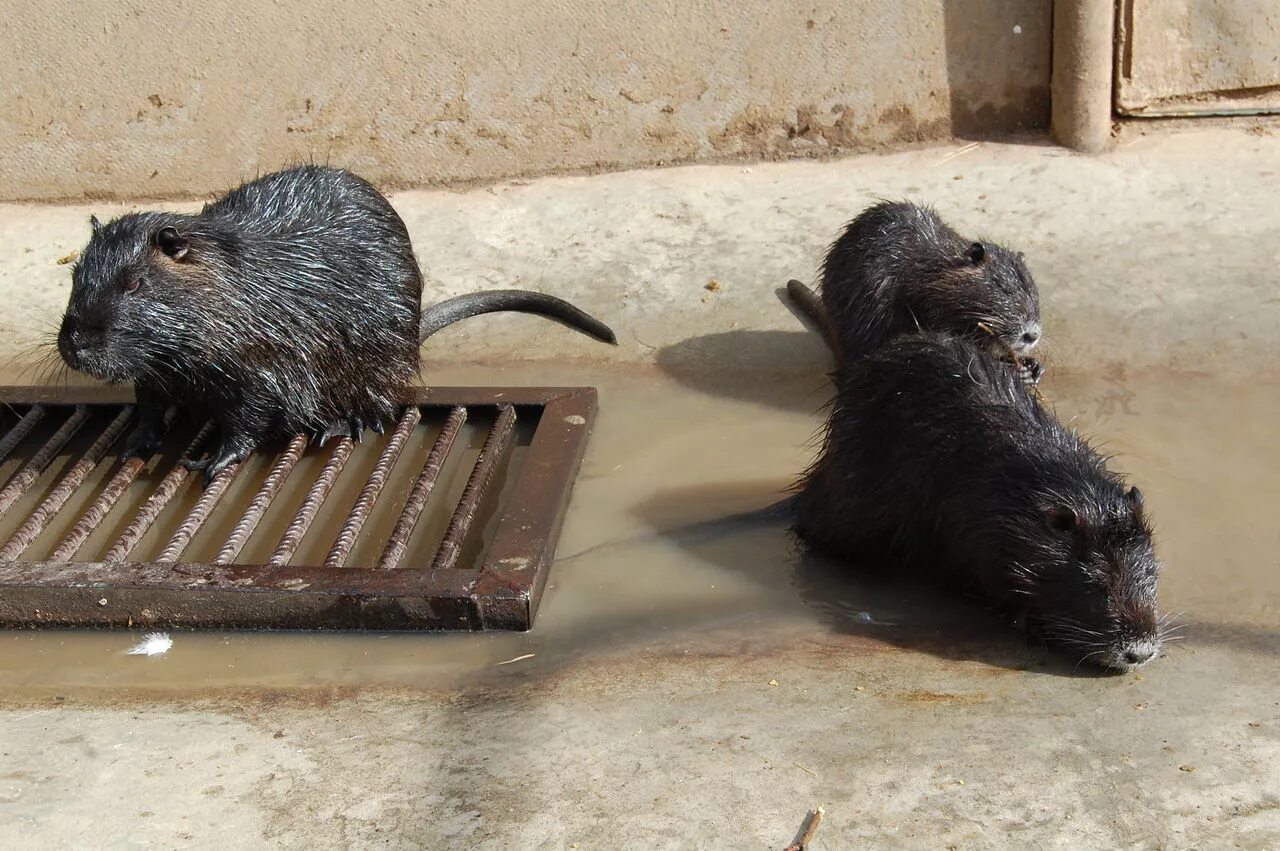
x=352, y=428
x=215, y=464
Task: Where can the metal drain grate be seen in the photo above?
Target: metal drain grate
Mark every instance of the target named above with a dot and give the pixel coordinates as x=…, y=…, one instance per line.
x=449, y=521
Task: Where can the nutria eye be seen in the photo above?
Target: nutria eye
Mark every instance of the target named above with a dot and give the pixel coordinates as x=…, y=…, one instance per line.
x=131, y=284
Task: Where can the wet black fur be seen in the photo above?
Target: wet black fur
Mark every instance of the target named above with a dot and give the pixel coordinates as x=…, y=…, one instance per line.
x=899, y=268
x=291, y=305
x=937, y=459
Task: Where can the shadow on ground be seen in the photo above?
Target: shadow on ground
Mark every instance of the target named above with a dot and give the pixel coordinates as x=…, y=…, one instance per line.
x=780, y=369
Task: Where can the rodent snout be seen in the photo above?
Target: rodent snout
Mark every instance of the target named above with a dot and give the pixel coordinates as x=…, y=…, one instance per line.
x=70, y=343
x=1134, y=654
x=78, y=346
x=1138, y=656
x=1030, y=336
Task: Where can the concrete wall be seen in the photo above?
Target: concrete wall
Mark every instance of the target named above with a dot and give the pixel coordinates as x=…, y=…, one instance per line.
x=123, y=98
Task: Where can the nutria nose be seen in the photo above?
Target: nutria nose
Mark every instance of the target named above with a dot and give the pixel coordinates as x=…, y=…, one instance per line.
x=1138, y=655
x=1031, y=336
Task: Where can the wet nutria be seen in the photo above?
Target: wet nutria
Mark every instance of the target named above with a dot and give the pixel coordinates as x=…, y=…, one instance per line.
x=937, y=458
x=291, y=305
x=899, y=268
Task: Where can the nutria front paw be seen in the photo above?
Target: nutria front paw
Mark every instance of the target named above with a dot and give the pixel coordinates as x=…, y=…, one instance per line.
x=226, y=457
x=352, y=428
x=144, y=441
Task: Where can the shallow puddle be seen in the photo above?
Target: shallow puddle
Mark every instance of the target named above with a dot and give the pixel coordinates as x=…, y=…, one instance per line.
x=648, y=562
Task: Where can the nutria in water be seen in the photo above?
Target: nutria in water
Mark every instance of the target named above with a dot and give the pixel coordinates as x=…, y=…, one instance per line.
x=937, y=459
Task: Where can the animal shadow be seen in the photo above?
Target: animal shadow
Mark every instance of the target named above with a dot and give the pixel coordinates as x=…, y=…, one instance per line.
x=778, y=369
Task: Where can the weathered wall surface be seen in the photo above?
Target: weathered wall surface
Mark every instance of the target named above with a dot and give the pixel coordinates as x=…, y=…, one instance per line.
x=122, y=98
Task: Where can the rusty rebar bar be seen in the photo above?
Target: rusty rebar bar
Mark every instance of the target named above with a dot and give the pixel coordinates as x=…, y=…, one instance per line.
x=15, y=435
x=248, y=522
x=495, y=445
x=74, y=478
x=204, y=506
x=372, y=488
x=106, y=501
x=393, y=552
x=101, y=507
x=155, y=503
x=22, y=480
x=311, y=505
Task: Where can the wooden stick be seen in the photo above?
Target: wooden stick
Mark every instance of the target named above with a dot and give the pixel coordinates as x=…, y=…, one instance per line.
x=810, y=828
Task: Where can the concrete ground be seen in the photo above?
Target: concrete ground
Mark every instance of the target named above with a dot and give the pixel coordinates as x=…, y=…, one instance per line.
x=690, y=693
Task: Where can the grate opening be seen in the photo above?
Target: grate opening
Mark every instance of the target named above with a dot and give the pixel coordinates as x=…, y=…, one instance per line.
x=447, y=521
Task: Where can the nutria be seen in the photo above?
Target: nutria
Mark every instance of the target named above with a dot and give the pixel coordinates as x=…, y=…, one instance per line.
x=899, y=268
x=291, y=305
x=937, y=459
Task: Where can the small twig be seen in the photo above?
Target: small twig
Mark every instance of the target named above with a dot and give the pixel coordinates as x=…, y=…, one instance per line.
x=808, y=830
x=959, y=152
x=808, y=771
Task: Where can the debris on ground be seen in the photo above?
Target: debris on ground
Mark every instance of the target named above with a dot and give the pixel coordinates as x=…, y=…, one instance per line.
x=68, y=258
x=807, y=830
x=152, y=644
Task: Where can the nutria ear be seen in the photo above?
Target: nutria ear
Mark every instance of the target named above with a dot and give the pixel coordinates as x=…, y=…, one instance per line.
x=1134, y=497
x=976, y=253
x=172, y=243
x=1063, y=519
x=95, y=224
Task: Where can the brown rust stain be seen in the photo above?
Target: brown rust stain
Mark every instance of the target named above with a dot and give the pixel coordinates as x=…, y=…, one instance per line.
x=245, y=699
x=752, y=129
x=921, y=696
x=761, y=131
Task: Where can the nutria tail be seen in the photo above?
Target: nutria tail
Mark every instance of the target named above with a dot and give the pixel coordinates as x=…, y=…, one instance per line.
x=461, y=307
x=811, y=306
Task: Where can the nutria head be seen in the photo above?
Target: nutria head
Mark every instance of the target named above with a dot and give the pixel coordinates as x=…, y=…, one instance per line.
x=138, y=293
x=1089, y=579
x=988, y=295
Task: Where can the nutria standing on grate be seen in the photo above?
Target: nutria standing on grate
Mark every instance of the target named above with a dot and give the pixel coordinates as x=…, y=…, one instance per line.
x=291, y=305
x=937, y=459
x=898, y=268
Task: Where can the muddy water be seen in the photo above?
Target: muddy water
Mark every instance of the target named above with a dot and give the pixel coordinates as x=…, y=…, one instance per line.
x=646, y=568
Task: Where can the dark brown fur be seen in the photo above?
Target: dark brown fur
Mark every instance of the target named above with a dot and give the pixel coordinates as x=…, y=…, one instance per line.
x=938, y=460
x=898, y=268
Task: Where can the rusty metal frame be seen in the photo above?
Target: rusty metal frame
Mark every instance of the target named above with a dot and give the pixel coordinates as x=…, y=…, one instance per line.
x=501, y=593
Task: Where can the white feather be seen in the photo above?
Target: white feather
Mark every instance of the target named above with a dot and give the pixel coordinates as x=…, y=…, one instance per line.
x=152, y=644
